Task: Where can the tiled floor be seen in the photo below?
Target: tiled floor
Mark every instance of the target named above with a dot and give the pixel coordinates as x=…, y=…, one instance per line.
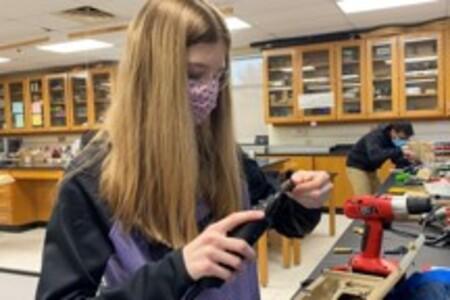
x=23, y=252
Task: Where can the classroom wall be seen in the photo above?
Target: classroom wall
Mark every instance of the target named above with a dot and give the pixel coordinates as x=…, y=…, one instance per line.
x=329, y=135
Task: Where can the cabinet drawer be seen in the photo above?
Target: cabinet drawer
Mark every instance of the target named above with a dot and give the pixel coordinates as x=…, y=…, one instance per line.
x=5, y=203
x=5, y=217
x=5, y=192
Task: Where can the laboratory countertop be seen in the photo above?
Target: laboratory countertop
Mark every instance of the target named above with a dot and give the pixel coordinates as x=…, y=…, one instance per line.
x=31, y=166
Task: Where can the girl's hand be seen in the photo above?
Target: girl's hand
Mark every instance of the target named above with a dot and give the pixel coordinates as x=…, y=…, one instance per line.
x=312, y=188
x=214, y=254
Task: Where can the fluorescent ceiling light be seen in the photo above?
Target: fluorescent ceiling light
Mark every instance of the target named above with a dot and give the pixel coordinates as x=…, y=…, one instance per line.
x=234, y=23
x=75, y=46
x=357, y=6
x=4, y=60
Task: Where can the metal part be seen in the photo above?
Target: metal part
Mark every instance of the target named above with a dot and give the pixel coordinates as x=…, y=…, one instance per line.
x=399, y=206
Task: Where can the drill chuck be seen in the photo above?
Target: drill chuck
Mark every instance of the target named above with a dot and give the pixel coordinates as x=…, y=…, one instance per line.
x=403, y=206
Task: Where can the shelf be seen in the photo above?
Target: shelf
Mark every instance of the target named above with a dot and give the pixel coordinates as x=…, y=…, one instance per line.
x=316, y=80
x=382, y=99
x=382, y=79
x=418, y=59
x=419, y=81
x=421, y=74
x=351, y=62
x=422, y=95
x=386, y=60
x=351, y=100
x=56, y=89
x=351, y=85
x=287, y=70
x=272, y=89
x=281, y=105
x=349, y=76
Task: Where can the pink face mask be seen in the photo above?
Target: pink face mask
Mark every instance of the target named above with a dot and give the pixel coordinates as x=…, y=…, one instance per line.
x=204, y=97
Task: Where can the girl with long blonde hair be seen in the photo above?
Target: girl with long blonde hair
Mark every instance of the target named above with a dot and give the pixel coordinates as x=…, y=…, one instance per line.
x=144, y=210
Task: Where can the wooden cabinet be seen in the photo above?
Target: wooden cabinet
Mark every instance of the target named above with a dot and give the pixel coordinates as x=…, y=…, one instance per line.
x=317, y=83
x=421, y=74
x=447, y=70
x=35, y=97
x=73, y=101
x=17, y=105
x=57, y=102
x=3, y=108
x=351, y=92
x=279, y=89
x=79, y=100
x=336, y=164
x=30, y=198
x=102, y=88
x=292, y=163
x=382, y=77
x=296, y=163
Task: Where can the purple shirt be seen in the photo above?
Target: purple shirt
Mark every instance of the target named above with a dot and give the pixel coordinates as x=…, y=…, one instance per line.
x=133, y=251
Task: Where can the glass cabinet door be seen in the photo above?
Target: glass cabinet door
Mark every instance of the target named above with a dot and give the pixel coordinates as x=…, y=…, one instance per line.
x=3, y=123
x=279, y=86
x=317, y=97
x=37, y=103
x=101, y=82
x=420, y=70
x=350, y=74
x=17, y=104
x=78, y=84
x=57, y=101
x=382, y=79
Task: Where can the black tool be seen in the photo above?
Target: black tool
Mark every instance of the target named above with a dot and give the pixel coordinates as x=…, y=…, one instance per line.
x=250, y=232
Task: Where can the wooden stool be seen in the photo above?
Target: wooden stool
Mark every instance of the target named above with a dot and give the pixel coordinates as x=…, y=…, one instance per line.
x=291, y=253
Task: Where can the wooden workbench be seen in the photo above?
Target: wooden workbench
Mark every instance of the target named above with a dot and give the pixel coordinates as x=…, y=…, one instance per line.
x=29, y=200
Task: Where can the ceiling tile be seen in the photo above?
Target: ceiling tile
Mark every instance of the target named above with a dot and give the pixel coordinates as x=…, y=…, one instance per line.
x=22, y=8
x=13, y=31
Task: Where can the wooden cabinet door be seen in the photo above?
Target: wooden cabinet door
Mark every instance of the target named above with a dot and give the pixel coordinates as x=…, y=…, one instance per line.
x=4, y=108
x=317, y=89
x=35, y=97
x=101, y=82
x=57, y=103
x=351, y=97
x=422, y=75
x=17, y=105
x=447, y=70
x=79, y=99
x=278, y=84
x=342, y=187
x=382, y=77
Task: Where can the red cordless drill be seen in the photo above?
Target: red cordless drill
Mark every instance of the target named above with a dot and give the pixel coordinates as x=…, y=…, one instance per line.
x=376, y=211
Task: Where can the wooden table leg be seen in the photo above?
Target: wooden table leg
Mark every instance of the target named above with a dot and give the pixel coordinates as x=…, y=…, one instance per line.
x=286, y=251
x=296, y=248
x=332, y=216
x=263, y=260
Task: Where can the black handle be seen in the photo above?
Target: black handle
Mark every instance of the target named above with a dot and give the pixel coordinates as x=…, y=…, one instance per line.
x=250, y=232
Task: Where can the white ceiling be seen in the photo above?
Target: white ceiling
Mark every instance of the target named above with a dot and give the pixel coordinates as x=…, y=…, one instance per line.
x=270, y=19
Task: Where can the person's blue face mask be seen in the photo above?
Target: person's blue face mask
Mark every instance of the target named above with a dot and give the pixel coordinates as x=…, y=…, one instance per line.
x=399, y=142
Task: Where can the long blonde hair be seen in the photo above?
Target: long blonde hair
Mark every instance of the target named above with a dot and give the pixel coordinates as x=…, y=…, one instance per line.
x=160, y=164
